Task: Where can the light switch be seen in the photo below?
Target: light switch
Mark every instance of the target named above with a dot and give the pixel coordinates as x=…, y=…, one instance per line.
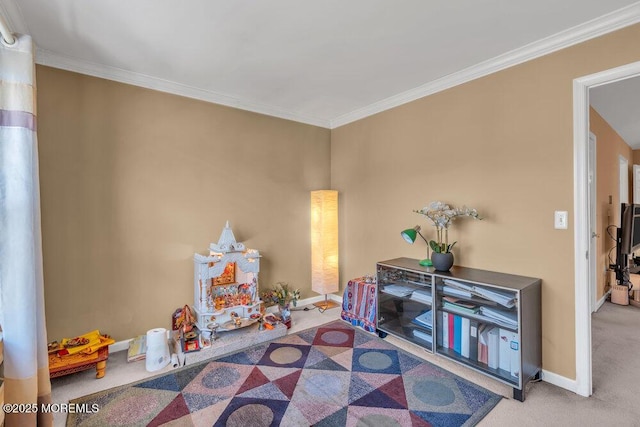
x=561, y=220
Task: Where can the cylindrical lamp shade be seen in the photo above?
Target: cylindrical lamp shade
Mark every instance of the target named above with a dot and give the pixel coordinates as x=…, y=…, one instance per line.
x=324, y=241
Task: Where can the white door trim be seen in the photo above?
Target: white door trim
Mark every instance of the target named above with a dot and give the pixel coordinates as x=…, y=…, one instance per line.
x=593, y=231
x=581, y=88
x=623, y=180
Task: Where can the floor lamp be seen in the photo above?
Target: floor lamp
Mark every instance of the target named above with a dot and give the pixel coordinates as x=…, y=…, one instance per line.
x=324, y=245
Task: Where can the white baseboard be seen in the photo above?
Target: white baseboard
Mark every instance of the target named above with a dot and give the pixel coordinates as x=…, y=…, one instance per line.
x=124, y=345
x=602, y=300
x=560, y=381
x=119, y=346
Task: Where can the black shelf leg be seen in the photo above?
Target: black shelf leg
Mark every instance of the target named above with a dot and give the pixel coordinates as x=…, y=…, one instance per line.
x=518, y=394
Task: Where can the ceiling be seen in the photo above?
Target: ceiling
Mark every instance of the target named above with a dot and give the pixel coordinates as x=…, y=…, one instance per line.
x=326, y=63
x=619, y=104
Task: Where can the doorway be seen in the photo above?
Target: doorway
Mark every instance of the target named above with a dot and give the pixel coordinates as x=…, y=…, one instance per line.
x=582, y=231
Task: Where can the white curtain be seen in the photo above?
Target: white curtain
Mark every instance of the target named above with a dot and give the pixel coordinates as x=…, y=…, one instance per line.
x=26, y=372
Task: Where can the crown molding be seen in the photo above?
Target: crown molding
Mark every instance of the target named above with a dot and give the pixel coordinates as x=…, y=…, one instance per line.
x=50, y=59
x=597, y=27
x=13, y=15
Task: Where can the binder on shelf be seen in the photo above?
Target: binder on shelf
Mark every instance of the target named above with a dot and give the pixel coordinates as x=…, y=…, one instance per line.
x=465, y=327
x=473, y=340
x=506, y=318
x=457, y=333
x=504, y=298
x=445, y=329
x=459, y=286
x=483, y=344
x=493, y=345
x=504, y=362
x=451, y=331
x=514, y=346
x=439, y=328
x=450, y=290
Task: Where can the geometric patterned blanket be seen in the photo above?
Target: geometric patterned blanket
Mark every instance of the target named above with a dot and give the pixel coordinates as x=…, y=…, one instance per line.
x=331, y=375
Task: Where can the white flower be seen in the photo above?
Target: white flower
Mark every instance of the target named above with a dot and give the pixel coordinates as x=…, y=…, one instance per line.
x=441, y=215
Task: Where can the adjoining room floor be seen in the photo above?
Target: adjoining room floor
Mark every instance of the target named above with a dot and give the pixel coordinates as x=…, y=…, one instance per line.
x=616, y=342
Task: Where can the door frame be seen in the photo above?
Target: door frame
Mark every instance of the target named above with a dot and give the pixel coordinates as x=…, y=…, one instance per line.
x=623, y=177
x=593, y=194
x=581, y=86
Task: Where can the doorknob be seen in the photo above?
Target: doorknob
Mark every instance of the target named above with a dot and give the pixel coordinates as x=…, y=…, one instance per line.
x=594, y=234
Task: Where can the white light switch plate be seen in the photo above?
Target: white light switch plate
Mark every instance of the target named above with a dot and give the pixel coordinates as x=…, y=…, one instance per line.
x=561, y=220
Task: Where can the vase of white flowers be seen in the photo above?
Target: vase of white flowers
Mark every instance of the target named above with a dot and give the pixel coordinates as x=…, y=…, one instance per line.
x=442, y=215
x=282, y=296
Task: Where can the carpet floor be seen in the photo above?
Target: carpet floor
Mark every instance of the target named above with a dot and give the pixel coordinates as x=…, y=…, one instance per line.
x=331, y=375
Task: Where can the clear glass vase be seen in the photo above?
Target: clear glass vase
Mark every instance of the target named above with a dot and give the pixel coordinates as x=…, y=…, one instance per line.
x=285, y=314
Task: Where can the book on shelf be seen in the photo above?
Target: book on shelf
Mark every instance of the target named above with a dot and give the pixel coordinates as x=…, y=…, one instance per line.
x=397, y=290
x=137, y=348
x=422, y=296
x=424, y=320
x=453, y=303
x=422, y=335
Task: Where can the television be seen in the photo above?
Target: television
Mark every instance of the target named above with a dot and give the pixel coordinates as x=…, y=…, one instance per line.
x=627, y=238
x=630, y=228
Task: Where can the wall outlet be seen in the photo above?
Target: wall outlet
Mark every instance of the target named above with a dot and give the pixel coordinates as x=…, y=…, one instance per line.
x=561, y=220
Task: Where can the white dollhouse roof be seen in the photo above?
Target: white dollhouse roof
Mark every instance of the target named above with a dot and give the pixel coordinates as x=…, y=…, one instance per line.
x=227, y=242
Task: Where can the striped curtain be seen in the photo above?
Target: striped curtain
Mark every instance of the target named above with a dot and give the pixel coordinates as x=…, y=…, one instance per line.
x=26, y=371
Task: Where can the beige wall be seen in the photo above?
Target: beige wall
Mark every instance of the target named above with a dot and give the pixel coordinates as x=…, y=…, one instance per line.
x=135, y=181
x=609, y=147
x=502, y=144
